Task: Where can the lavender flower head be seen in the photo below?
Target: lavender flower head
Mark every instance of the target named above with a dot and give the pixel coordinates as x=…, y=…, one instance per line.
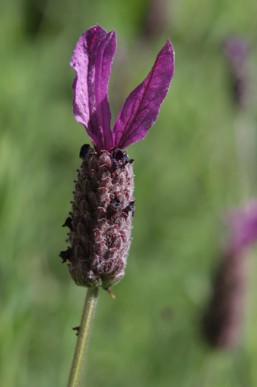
x=103, y=206
x=224, y=315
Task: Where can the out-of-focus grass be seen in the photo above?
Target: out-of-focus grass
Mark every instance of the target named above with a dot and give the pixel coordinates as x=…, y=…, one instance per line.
x=186, y=174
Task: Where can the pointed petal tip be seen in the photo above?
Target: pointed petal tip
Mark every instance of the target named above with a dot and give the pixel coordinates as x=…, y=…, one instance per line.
x=169, y=45
x=170, y=49
x=111, y=36
x=112, y=32
x=98, y=28
x=94, y=28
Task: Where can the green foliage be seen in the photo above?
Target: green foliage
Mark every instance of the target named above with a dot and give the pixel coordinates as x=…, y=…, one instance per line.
x=187, y=173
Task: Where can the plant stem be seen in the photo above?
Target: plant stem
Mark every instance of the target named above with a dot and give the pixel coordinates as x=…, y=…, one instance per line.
x=79, y=357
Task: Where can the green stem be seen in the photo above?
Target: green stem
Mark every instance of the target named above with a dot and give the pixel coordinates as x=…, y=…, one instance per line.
x=79, y=358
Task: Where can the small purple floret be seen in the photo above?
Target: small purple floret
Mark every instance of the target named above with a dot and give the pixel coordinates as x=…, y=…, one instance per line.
x=92, y=61
x=243, y=228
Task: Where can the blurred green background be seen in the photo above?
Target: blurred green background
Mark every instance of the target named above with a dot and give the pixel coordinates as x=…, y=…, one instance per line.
x=187, y=172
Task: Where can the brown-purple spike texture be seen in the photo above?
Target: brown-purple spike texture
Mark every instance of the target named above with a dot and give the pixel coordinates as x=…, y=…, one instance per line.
x=101, y=218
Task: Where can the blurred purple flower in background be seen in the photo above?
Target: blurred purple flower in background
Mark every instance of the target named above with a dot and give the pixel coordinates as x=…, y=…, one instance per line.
x=224, y=315
x=242, y=223
x=236, y=51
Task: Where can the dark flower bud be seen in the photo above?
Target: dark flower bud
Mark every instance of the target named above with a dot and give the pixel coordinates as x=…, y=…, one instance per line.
x=66, y=255
x=84, y=151
x=120, y=157
x=68, y=223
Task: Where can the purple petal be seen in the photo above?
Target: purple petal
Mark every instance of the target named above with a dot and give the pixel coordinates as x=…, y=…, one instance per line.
x=92, y=60
x=143, y=104
x=104, y=58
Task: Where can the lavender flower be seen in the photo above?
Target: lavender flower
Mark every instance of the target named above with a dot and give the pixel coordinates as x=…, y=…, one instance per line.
x=224, y=316
x=236, y=52
x=103, y=206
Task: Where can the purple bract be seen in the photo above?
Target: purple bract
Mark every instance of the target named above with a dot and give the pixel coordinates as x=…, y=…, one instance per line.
x=92, y=60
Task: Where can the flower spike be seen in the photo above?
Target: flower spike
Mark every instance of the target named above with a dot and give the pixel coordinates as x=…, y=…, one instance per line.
x=103, y=206
x=100, y=221
x=92, y=60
